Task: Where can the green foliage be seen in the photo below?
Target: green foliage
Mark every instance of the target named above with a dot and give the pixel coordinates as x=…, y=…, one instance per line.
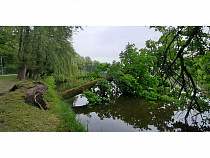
x=175, y=91
x=99, y=72
x=8, y=48
x=133, y=75
x=44, y=50
x=204, y=105
x=183, y=61
x=201, y=68
x=103, y=88
x=128, y=84
x=151, y=95
x=99, y=94
x=86, y=65
x=49, y=80
x=166, y=98
x=92, y=98
x=139, y=66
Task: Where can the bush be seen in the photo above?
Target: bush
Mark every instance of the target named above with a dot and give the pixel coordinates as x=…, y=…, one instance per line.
x=10, y=69
x=49, y=80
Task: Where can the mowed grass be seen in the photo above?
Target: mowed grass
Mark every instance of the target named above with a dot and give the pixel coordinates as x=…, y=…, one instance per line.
x=6, y=82
x=16, y=115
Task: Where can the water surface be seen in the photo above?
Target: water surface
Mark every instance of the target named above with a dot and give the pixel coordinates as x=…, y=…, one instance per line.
x=130, y=114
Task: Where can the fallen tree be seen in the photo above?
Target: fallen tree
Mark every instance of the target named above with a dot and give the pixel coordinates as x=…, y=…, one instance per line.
x=33, y=93
x=78, y=90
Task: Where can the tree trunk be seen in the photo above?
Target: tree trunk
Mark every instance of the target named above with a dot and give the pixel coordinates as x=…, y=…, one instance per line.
x=22, y=72
x=78, y=90
x=35, y=75
x=23, y=50
x=30, y=74
x=27, y=72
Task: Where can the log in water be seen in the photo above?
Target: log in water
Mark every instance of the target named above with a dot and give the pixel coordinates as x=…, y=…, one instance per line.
x=78, y=90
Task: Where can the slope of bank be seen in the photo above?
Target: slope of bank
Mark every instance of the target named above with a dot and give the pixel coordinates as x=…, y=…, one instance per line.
x=16, y=115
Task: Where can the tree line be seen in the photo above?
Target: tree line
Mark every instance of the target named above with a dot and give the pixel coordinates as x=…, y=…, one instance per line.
x=42, y=50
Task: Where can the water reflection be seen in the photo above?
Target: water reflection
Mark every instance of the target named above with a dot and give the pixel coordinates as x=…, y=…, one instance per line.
x=128, y=114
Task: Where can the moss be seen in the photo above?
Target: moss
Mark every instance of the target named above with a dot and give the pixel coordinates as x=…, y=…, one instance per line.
x=24, y=85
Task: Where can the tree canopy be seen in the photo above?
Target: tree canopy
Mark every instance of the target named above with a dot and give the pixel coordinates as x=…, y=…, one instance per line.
x=40, y=50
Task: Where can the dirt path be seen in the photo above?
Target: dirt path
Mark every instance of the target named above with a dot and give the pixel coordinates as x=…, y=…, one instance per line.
x=7, y=82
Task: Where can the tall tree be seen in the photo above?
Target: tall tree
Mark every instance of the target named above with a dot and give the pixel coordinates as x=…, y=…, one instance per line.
x=23, y=51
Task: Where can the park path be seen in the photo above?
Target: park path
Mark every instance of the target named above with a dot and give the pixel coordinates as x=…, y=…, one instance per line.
x=8, y=75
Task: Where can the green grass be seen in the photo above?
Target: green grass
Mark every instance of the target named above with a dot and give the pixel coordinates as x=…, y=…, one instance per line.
x=64, y=111
x=16, y=115
x=6, y=82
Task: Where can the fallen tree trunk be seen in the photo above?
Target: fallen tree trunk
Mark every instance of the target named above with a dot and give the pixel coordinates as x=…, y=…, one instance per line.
x=35, y=97
x=78, y=90
x=33, y=93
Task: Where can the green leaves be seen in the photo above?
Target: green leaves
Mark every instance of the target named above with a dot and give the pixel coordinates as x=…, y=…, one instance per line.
x=44, y=49
x=136, y=72
x=99, y=94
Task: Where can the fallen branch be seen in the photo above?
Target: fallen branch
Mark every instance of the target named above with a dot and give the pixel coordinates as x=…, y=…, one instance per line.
x=78, y=90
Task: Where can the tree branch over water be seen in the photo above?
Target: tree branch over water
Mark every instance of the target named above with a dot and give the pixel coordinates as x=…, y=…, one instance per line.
x=184, y=70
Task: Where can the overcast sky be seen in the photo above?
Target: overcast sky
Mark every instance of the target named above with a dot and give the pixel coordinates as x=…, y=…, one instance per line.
x=104, y=44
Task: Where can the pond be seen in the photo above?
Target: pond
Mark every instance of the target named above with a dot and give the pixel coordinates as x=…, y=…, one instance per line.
x=130, y=114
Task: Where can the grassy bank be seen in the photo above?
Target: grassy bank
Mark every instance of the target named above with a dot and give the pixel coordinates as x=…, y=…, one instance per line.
x=16, y=115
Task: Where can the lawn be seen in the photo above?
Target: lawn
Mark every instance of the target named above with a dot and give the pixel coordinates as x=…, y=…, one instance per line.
x=16, y=115
x=6, y=82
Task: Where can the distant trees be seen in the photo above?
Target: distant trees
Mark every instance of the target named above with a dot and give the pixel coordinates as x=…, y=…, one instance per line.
x=85, y=64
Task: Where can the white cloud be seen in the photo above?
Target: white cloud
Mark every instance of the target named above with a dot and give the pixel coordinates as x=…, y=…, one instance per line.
x=105, y=43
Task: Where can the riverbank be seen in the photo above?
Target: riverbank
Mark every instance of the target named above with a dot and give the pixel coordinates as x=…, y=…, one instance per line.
x=16, y=115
